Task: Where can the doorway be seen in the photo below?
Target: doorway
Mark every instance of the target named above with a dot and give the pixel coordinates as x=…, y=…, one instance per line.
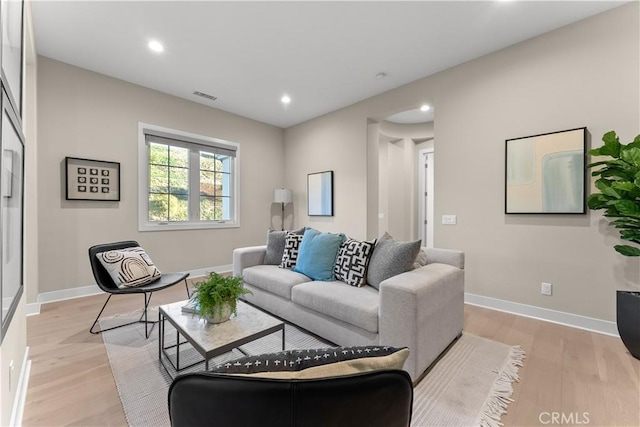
x=425, y=196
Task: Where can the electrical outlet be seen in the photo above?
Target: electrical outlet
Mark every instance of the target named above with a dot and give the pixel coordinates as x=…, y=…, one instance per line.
x=546, y=288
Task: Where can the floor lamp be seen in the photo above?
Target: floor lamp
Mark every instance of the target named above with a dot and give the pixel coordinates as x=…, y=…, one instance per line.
x=282, y=196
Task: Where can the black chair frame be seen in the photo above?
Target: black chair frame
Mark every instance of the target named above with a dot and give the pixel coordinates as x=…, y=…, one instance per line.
x=104, y=281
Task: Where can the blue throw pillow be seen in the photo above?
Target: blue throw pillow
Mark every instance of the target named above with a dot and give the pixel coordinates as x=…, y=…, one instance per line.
x=317, y=254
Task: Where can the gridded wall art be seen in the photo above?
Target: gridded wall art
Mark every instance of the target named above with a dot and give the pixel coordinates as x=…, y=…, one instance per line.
x=546, y=173
x=92, y=179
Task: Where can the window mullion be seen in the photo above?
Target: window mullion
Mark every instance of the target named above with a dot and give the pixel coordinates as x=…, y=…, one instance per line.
x=194, y=184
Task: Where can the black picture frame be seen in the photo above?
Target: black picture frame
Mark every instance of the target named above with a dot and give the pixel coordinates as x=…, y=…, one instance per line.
x=546, y=173
x=11, y=22
x=11, y=212
x=91, y=187
x=320, y=194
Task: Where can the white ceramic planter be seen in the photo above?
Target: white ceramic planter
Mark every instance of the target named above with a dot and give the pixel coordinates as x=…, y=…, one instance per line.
x=220, y=316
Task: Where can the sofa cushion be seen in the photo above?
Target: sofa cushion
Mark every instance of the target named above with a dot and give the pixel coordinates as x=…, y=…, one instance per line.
x=421, y=260
x=276, y=280
x=275, y=245
x=317, y=254
x=356, y=306
x=291, y=248
x=353, y=261
x=317, y=363
x=391, y=258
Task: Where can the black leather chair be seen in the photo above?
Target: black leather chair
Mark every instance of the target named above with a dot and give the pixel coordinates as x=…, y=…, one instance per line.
x=104, y=281
x=371, y=399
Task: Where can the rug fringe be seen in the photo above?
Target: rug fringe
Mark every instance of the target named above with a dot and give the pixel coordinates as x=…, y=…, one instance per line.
x=500, y=395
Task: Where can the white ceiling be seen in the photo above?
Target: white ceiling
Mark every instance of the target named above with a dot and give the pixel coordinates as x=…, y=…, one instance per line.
x=324, y=55
x=412, y=116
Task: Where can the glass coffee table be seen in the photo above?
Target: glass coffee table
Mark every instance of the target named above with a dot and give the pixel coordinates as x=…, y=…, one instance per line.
x=211, y=340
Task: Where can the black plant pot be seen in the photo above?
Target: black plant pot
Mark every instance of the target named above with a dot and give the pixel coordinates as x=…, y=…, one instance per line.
x=628, y=318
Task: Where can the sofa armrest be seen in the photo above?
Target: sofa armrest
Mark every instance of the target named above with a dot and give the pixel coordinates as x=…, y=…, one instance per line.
x=422, y=309
x=445, y=256
x=247, y=257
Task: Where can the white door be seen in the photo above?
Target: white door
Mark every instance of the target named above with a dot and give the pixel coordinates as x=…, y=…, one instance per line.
x=425, y=196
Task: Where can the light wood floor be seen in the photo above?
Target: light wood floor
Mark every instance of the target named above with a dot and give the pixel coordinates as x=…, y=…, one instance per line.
x=567, y=371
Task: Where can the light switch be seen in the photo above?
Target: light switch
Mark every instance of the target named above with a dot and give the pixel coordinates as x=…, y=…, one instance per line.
x=380, y=215
x=449, y=219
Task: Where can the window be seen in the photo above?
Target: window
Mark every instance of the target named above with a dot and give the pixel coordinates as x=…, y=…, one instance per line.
x=186, y=181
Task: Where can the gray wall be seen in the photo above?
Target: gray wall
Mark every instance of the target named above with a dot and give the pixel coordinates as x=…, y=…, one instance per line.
x=585, y=74
x=84, y=114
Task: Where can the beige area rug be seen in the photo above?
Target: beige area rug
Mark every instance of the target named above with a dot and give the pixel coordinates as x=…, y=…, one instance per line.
x=470, y=385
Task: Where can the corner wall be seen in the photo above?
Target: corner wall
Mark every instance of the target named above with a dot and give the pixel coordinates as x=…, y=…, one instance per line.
x=584, y=74
x=89, y=115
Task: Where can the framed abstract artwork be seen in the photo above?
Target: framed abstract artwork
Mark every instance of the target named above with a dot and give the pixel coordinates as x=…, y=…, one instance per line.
x=320, y=194
x=88, y=179
x=545, y=174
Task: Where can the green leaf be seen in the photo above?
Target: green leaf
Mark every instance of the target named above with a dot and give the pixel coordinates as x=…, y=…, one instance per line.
x=636, y=139
x=605, y=187
x=627, y=250
x=626, y=223
x=611, y=145
x=630, y=234
x=631, y=155
x=596, y=201
x=623, y=185
x=628, y=208
x=603, y=162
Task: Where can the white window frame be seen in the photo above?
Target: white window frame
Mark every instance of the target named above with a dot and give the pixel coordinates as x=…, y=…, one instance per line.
x=143, y=182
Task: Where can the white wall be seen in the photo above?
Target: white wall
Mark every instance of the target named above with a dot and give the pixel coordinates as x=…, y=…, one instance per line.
x=585, y=74
x=88, y=115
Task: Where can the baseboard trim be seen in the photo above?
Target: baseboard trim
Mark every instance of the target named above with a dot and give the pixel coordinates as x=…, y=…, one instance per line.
x=562, y=318
x=33, y=309
x=17, y=411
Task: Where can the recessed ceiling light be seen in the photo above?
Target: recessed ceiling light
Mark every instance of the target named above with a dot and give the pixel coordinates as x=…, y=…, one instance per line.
x=425, y=108
x=285, y=99
x=381, y=76
x=155, y=46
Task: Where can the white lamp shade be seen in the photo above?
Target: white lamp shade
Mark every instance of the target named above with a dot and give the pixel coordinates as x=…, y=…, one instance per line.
x=282, y=195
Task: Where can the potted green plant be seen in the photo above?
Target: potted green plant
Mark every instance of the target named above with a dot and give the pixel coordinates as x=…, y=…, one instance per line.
x=217, y=296
x=618, y=196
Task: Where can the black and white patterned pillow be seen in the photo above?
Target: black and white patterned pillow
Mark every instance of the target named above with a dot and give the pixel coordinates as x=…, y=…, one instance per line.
x=352, y=262
x=317, y=363
x=129, y=267
x=291, y=247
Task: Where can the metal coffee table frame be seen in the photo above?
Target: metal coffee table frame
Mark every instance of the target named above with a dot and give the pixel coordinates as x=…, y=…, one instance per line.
x=207, y=354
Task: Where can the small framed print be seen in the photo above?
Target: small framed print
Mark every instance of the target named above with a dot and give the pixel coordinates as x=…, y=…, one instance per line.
x=88, y=179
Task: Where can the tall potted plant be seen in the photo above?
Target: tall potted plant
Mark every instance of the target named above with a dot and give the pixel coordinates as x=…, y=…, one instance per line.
x=618, y=196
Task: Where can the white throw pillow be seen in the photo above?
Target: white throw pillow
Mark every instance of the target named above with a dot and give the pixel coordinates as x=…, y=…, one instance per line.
x=129, y=267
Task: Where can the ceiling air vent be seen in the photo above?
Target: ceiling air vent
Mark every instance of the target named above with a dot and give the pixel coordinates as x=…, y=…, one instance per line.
x=205, y=95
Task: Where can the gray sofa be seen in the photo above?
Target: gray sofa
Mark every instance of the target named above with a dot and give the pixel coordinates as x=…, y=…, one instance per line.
x=422, y=309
